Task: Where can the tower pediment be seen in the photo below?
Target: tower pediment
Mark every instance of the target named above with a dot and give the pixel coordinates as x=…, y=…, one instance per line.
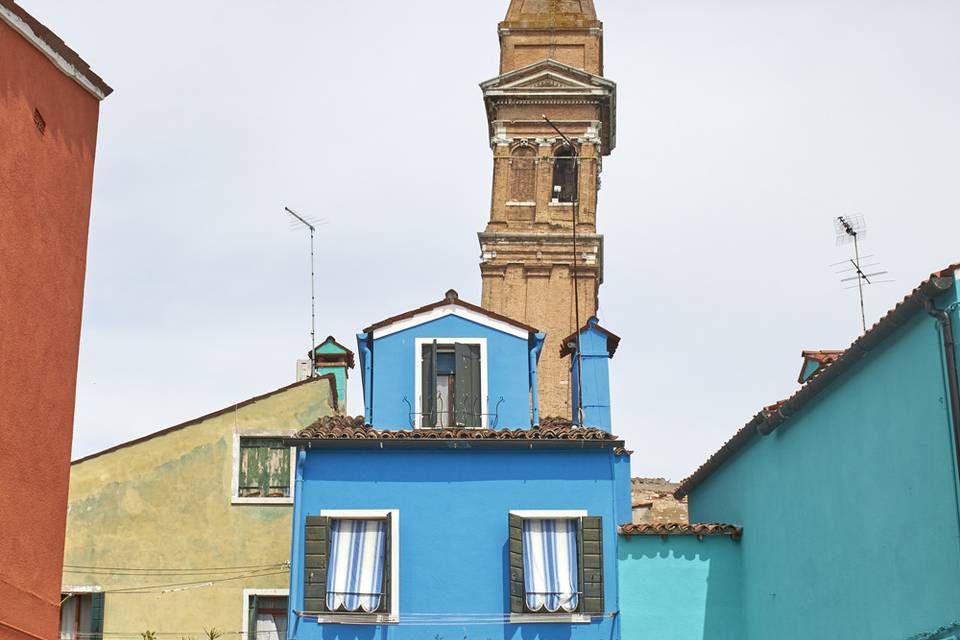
x=550, y=82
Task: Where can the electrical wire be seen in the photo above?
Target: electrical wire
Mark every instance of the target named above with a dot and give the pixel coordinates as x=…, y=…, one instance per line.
x=194, y=570
x=164, y=588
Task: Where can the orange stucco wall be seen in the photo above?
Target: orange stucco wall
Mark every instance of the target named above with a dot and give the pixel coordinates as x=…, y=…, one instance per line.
x=45, y=188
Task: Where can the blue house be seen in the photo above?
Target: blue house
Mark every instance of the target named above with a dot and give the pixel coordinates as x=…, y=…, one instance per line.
x=845, y=497
x=450, y=510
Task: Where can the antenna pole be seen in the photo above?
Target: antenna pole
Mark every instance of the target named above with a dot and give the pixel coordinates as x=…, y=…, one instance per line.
x=313, y=307
x=856, y=253
x=576, y=284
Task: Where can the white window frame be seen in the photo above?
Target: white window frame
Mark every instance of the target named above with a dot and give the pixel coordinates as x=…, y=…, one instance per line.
x=393, y=616
x=245, y=625
x=419, y=343
x=235, y=497
x=541, y=618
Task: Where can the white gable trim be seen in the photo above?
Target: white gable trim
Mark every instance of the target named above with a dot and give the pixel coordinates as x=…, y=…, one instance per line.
x=21, y=27
x=450, y=310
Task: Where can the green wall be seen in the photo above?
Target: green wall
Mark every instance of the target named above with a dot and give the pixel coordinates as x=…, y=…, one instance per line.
x=850, y=509
x=680, y=588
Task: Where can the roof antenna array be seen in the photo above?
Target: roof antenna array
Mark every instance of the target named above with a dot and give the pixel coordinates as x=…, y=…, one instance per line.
x=298, y=222
x=851, y=230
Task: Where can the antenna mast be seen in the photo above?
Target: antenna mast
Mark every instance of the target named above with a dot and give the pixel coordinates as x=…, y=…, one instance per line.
x=297, y=223
x=576, y=284
x=850, y=229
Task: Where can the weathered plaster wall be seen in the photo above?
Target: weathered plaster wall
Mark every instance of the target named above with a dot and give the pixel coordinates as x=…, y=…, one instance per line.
x=680, y=588
x=45, y=188
x=166, y=502
x=851, y=508
x=453, y=529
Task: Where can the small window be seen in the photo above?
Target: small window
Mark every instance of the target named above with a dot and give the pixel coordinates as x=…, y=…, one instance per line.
x=266, y=617
x=264, y=469
x=451, y=387
x=348, y=566
x=565, y=174
x=523, y=174
x=556, y=565
x=81, y=616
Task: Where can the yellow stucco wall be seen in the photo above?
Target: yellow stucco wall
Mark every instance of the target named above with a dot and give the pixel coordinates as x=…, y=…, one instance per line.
x=165, y=502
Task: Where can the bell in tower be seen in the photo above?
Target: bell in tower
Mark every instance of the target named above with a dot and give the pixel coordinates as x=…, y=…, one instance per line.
x=544, y=187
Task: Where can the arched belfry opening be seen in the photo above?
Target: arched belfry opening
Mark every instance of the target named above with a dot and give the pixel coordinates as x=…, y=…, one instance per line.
x=564, y=175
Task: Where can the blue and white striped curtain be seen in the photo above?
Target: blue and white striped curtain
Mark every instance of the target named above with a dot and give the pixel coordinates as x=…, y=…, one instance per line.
x=550, y=564
x=355, y=574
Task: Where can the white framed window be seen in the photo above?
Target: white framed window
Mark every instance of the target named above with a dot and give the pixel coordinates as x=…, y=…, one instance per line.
x=451, y=383
x=556, y=572
x=352, y=573
x=81, y=613
x=263, y=470
x=264, y=614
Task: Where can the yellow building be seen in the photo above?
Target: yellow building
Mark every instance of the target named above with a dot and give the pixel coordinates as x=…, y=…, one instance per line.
x=189, y=528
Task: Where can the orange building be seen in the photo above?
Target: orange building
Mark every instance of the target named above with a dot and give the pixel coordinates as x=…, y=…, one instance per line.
x=49, y=107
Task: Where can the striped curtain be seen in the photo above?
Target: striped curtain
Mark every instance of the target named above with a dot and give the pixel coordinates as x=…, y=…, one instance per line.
x=355, y=574
x=550, y=564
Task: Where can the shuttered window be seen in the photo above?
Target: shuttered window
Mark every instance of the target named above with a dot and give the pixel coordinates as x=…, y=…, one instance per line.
x=547, y=575
x=347, y=565
x=264, y=469
x=267, y=617
x=81, y=616
x=451, y=386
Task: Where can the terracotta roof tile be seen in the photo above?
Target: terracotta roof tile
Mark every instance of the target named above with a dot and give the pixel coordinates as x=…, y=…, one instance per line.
x=567, y=344
x=347, y=428
x=824, y=357
x=771, y=417
x=681, y=529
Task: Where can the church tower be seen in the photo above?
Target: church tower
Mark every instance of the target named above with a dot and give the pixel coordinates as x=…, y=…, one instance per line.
x=551, y=64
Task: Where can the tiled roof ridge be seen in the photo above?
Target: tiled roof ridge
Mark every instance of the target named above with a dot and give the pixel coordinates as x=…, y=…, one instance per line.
x=698, y=529
x=354, y=428
x=771, y=417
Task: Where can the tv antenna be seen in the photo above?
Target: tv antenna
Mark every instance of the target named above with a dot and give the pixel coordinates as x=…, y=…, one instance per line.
x=298, y=222
x=850, y=230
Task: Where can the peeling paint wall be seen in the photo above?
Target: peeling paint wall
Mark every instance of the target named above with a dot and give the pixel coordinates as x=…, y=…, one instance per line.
x=166, y=502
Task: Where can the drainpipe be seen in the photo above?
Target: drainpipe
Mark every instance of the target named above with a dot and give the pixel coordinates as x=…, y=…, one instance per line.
x=538, y=339
x=950, y=349
x=366, y=357
x=296, y=551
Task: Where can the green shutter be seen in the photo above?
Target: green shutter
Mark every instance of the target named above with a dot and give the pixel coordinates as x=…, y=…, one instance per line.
x=385, y=601
x=316, y=551
x=515, y=541
x=468, y=404
x=96, y=616
x=591, y=564
x=428, y=388
x=252, y=618
x=277, y=469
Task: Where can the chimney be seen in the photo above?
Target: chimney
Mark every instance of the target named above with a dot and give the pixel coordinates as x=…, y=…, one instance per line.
x=597, y=346
x=332, y=357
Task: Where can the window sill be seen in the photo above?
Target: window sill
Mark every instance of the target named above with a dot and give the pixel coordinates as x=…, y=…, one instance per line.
x=276, y=501
x=561, y=204
x=550, y=618
x=514, y=203
x=333, y=618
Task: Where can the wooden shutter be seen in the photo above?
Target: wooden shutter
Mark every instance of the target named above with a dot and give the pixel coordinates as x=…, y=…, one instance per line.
x=518, y=594
x=316, y=552
x=385, y=601
x=428, y=388
x=96, y=616
x=468, y=405
x=277, y=469
x=254, y=605
x=590, y=548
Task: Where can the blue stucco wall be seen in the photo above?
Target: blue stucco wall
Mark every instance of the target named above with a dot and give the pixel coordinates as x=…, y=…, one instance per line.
x=850, y=510
x=596, y=379
x=454, y=507
x=680, y=588
x=394, y=371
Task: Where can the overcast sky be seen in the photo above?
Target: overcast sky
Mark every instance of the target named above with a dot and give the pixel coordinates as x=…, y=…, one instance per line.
x=744, y=128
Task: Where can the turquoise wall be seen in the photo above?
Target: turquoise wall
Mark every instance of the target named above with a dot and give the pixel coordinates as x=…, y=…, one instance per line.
x=340, y=377
x=850, y=509
x=680, y=588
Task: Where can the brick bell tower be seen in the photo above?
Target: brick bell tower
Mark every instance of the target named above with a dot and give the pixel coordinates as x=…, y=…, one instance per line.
x=551, y=63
